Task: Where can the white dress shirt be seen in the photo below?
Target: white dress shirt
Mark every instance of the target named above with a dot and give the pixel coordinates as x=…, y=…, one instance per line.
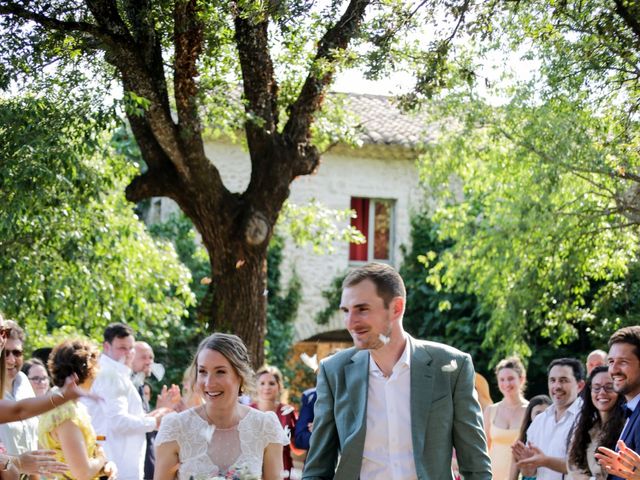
x=120, y=417
x=553, y=437
x=21, y=436
x=388, y=449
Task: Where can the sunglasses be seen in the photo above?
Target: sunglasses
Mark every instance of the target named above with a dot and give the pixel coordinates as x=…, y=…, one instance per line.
x=15, y=353
x=4, y=332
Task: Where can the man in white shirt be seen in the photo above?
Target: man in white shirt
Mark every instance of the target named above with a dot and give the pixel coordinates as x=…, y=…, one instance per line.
x=119, y=416
x=393, y=407
x=545, y=455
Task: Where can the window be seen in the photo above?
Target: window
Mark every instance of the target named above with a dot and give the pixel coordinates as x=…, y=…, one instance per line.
x=375, y=220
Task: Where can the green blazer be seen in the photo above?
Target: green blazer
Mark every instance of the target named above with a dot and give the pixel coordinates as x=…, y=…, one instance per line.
x=444, y=414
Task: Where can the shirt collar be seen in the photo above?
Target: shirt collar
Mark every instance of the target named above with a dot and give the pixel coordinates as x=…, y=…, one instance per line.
x=405, y=359
x=573, y=409
x=633, y=403
x=108, y=362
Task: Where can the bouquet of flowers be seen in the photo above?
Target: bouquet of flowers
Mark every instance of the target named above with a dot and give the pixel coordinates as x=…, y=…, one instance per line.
x=234, y=473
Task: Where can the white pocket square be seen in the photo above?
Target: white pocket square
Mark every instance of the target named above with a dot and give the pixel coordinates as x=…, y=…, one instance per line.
x=451, y=367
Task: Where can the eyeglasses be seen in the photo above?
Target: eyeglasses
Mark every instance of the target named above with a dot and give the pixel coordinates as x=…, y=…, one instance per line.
x=608, y=388
x=39, y=379
x=15, y=353
x=4, y=332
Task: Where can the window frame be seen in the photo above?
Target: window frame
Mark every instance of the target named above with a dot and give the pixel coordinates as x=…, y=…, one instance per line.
x=371, y=231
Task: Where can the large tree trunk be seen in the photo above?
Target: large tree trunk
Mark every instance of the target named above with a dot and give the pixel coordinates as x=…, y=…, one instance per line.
x=236, y=301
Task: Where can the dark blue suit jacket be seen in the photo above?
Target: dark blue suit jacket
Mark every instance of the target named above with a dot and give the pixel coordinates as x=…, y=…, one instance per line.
x=631, y=435
x=302, y=434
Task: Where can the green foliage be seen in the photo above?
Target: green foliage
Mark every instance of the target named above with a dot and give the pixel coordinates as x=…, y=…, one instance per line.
x=316, y=225
x=74, y=254
x=435, y=314
x=281, y=309
x=333, y=295
x=531, y=196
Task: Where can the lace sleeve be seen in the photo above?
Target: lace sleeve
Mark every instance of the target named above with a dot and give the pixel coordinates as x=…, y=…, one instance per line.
x=170, y=429
x=273, y=431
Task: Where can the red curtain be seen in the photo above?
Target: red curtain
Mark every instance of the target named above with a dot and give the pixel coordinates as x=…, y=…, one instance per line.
x=358, y=252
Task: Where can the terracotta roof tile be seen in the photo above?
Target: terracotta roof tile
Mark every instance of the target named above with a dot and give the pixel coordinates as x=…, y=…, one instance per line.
x=382, y=122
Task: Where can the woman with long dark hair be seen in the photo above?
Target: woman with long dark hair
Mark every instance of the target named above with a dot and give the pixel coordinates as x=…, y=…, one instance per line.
x=599, y=425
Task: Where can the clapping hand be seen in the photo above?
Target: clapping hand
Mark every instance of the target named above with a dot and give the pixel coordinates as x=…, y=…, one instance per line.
x=527, y=457
x=40, y=462
x=624, y=463
x=169, y=397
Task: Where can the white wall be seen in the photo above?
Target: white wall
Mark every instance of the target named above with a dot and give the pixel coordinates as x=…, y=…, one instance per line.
x=340, y=177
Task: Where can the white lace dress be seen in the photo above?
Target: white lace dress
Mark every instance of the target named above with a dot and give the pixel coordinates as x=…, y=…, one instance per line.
x=207, y=451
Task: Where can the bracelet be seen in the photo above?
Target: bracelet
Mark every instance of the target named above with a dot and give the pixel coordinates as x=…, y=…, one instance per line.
x=528, y=478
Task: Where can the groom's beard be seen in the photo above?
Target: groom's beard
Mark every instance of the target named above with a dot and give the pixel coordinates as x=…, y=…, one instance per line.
x=375, y=341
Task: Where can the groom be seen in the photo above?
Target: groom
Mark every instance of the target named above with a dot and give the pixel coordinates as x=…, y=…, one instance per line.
x=394, y=406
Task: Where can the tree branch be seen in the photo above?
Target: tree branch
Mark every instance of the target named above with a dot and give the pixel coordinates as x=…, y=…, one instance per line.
x=11, y=8
x=297, y=131
x=629, y=18
x=258, y=78
x=188, y=40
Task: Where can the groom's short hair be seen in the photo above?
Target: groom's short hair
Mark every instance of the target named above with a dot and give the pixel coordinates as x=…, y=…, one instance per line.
x=388, y=282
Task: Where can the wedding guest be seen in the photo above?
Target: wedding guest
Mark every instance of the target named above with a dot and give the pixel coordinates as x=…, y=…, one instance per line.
x=270, y=386
x=67, y=429
x=599, y=424
x=37, y=374
x=502, y=420
x=21, y=436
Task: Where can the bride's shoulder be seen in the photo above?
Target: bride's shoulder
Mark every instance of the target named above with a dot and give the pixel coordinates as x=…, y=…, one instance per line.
x=186, y=417
x=177, y=426
x=255, y=416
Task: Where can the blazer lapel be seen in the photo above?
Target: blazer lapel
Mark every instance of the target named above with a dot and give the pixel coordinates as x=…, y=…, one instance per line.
x=421, y=395
x=631, y=426
x=357, y=379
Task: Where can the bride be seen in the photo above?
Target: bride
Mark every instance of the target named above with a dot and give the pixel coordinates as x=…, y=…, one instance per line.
x=221, y=438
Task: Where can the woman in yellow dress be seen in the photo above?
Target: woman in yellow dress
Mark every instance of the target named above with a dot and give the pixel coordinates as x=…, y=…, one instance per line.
x=502, y=420
x=67, y=429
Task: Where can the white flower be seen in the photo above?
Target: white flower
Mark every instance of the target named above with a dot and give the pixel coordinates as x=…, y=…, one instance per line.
x=384, y=339
x=286, y=410
x=451, y=367
x=311, y=362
